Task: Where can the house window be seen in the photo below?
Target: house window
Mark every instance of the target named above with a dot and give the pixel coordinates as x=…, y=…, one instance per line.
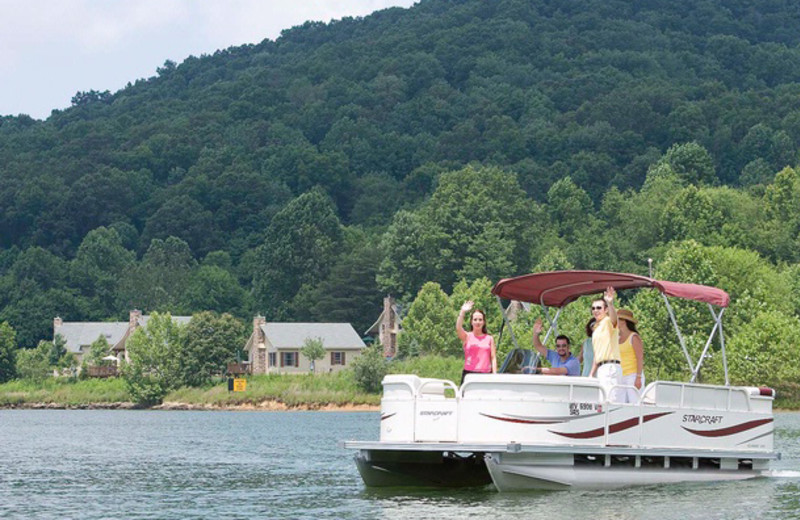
x=273, y=359
x=289, y=359
x=337, y=358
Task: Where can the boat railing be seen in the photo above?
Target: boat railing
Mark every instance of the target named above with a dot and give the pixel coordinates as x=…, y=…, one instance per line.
x=692, y=395
x=438, y=410
x=539, y=388
x=438, y=388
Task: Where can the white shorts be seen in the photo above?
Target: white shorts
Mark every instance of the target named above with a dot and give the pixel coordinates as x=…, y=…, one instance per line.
x=630, y=395
x=609, y=375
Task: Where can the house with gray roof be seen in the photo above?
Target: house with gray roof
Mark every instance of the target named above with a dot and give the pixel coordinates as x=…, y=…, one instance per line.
x=79, y=335
x=274, y=348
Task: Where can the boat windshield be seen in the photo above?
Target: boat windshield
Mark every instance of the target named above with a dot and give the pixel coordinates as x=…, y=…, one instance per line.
x=520, y=361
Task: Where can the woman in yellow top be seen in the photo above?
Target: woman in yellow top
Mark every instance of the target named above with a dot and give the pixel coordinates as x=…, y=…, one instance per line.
x=631, y=351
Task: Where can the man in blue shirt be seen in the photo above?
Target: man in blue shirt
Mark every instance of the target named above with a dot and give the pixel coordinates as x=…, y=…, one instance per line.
x=561, y=360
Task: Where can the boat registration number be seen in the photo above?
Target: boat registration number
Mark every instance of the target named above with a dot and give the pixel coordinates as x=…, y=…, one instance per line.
x=579, y=408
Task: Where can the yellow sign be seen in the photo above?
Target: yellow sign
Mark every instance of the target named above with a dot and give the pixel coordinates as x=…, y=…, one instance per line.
x=239, y=385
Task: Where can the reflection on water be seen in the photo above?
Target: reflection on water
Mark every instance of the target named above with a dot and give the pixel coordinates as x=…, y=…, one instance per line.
x=145, y=464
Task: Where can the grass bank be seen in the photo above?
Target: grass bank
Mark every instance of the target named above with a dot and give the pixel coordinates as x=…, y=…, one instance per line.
x=302, y=391
x=63, y=392
x=290, y=391
x=263, y=392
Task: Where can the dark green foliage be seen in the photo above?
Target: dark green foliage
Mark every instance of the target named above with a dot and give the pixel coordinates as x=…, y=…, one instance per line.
x=350, y=293
x=474, y=225
x=301, y=243
x=155, y=353
x=8, y=358
x=313, y=349
x=210, y=342
x=369, y=369
x=160, y=280
x=596, y=134
x=32, y=363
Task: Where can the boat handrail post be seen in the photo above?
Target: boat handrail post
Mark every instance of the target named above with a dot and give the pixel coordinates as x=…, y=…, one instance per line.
x=553, y=327
x=641, y=422
x=696, y=370
x=505, y=321
x=677, y=331
x=443, y=382
x=606, y=407
x=718, y=319
x=553, y=323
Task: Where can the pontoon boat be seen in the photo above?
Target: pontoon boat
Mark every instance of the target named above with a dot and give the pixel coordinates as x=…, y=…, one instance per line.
x=521, y=431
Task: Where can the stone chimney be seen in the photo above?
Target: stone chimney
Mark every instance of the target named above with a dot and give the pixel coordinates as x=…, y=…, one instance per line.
x=388, y=328
x=133, y=321
x=57, y=323
x=258, y=351
x=258, y=334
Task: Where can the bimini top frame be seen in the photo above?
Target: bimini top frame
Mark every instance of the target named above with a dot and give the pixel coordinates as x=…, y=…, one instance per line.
x=559, y=288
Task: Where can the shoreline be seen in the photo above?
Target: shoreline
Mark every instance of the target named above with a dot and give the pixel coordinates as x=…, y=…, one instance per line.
x=267, y=405
x=263, y=406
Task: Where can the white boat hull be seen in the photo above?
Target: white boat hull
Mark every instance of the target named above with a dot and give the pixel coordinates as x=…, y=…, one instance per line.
x=508, y=476
x=561, y=433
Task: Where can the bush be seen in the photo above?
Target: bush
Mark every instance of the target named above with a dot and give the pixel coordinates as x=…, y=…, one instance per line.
x=369, y=369
x=7, y=354
x=155, y=356
x=34, y=363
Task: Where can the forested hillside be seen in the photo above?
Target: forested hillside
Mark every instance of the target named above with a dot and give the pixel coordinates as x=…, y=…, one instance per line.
x=305, y=178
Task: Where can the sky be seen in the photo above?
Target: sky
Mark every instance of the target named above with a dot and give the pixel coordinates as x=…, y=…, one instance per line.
x=51, y=49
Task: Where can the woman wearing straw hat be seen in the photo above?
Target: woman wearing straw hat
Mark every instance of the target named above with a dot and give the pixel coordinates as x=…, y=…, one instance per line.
x=631, y=352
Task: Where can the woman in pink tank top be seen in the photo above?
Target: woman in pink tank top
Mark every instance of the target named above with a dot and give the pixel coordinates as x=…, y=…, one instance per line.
x=480, y=353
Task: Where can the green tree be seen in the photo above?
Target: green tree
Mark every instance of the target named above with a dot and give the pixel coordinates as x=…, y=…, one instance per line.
x=691, y=214
x=313, y=349
x=764, y=354
x=33, y=363
x=99, y=265
x=99, y=349
x=31, y=313
x=692, y=162
x=155, y=359
x=409, y=247
x=213, y=288
x=569, y=206
x=160, y=279
x=350, y=293
x=429, y=326
x=210, y=341
x=473, y=226
x=369, y=369
x=58, y=351
x=7, y=353
x=301, y=244
x=185, y=218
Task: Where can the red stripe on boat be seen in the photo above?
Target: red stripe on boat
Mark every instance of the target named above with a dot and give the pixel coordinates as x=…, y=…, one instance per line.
x=612, y=428
x=730, y=430
x=519, y=421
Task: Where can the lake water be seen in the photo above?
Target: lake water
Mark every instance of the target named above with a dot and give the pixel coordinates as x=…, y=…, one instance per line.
x=171, y=465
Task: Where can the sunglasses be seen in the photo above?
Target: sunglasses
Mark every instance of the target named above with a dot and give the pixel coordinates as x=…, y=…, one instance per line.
x=561, y=345
x=597, y=307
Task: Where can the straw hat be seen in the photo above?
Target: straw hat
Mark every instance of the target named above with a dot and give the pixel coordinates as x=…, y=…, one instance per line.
x=625, y=314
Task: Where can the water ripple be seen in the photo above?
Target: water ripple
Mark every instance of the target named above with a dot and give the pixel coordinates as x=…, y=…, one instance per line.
x=97, y=464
